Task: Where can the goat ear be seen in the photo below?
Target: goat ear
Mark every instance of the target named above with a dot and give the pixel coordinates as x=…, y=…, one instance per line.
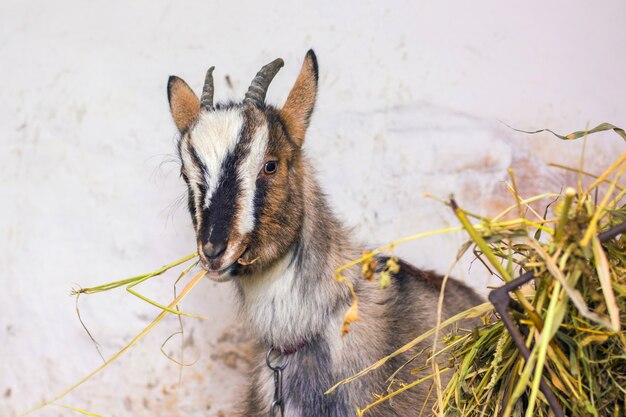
x=184, y=104
x=299, y=105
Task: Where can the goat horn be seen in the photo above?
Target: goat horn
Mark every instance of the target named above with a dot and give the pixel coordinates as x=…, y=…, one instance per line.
x=260, y=83
x=206, y=100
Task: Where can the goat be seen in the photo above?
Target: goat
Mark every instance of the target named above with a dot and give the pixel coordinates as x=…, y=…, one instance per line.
x=262, y=222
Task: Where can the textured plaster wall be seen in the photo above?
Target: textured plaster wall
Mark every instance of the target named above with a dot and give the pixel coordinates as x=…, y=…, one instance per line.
x=411, y=94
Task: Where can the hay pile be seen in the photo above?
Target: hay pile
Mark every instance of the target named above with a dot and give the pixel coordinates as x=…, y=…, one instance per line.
x=572, y=314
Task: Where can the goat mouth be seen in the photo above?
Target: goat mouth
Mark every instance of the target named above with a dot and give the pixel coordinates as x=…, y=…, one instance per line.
x=218, y=275
x=223, y=274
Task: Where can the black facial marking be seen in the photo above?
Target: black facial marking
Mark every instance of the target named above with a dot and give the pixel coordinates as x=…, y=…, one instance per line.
x=274, y=119
x=217, y=219
x=259, y=198
x=196, y=159
x=191, y=204
x=191, y=201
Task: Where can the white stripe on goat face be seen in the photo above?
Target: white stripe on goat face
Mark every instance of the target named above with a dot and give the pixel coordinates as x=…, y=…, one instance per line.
x=213, y=138
x=247, y=173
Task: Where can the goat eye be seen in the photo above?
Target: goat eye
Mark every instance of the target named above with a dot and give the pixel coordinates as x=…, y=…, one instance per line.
x=270, y=167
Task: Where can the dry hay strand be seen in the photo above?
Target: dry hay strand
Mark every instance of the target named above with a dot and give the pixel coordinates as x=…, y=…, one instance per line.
x=129, y=283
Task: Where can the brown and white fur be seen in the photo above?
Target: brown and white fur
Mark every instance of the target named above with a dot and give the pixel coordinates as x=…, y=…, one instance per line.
x=263, y=223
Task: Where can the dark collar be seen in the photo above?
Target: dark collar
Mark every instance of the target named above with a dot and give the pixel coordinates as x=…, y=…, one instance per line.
x=291, y=349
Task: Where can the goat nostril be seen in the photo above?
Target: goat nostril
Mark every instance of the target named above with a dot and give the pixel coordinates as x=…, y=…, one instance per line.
x=213, y=250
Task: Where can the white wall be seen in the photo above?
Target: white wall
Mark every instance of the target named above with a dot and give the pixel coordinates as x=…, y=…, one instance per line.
x=410, y=98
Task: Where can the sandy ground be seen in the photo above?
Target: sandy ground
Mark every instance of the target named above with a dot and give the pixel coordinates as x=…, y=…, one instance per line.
x=412, y=100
